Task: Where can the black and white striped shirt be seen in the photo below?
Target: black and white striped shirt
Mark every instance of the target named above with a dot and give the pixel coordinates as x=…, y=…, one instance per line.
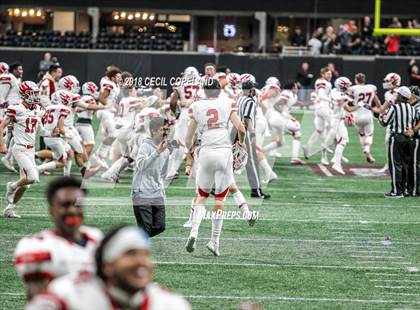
x=247, y=108
x=417, y=110
x=400, y=117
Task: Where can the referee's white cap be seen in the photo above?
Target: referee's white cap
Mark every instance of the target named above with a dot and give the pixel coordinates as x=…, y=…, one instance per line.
x=404, y=92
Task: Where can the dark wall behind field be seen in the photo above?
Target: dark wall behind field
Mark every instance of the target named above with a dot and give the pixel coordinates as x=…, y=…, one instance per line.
x=91, y=65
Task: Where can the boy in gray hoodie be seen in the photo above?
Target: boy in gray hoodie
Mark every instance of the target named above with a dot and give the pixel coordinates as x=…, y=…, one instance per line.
x=148, y=188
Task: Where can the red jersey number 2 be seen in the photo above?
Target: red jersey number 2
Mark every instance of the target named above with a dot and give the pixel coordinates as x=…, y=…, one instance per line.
x=214, y=117
x=30, y=124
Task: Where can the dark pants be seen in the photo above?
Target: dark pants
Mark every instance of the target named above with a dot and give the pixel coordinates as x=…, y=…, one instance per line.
x=413, y=182
x=399, y=154
x=151, y=218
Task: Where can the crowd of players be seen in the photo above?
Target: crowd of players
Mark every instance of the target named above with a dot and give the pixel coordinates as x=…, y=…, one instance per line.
x=199, y=115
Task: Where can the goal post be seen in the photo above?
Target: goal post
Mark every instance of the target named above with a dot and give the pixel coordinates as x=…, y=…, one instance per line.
x=378, y=31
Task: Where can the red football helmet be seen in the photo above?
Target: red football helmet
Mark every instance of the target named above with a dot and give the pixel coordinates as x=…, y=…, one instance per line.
x=29, y=92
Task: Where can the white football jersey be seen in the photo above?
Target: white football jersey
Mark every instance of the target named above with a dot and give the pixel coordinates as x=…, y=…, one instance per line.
x=88, y=100
x=391, y=95
x=323, y=92
x=189, y=93
x=126, y=114
x=114, y=90
x=9, y=89
x=25, y=122
x=363, y=93
x=52, y=115
x=270, y=94
x=337, y=97
x=82, y=291
x=77, y=102
x=290, y=99
x=212, y=117
x=49, y=254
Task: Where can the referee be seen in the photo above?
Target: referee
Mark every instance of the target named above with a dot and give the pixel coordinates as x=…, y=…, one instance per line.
x=247, y=110
x=401, y=119
x=413, y=185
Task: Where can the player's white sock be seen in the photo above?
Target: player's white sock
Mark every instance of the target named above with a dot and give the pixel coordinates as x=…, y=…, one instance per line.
x=198, y=215
x=362, y=140
x=338, y=154
x=9, y=155
x=175, y=160
x=312, y=139
x=240, y=201
x=271, y=146
x=47, y=166
x=103, y=150
x=295, y=148
x=368, y=143
x=191, y=210
x=216, y=226
x=266, y=167
x=67, y=168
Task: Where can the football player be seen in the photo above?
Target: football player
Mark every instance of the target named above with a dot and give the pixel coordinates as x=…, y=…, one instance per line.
x=123, y=280
x=186, y=93
x=68, y=247
x=110, y=89
x=49, y=84
x=322, y=119
x=215, y=161
x=338, y=130
x=25, y=117
x=282, y=122
x=365, y=95
x=10, y=81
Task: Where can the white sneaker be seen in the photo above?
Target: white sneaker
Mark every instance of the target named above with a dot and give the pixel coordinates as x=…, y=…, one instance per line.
x=187, y=224
x=297, y=161
x=274, y=153
x=324, y=161
x=384, y=169
x=213, y=247
x=10, y=193
x=190, y=245
x=10, y=213
x=101, y=162
x=8, y=164
x=109, y=176
x=273, y=176
x=338, y=168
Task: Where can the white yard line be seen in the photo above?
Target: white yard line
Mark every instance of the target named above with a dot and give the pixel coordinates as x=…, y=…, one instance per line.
x=376, y=257
x=396, y=287
x=396, y=280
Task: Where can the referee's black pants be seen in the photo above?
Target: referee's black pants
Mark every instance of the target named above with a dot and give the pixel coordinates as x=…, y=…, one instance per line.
x=399, y=154
x=413, y=182
x=151, y=218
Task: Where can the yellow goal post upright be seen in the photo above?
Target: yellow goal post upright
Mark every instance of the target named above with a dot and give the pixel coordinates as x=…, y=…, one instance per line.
x=378, y=31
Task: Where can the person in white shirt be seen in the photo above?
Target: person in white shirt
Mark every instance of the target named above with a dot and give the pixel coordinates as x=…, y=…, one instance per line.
x=123, y=280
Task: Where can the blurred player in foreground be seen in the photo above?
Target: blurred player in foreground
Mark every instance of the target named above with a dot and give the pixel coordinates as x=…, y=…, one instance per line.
x=66, y=247
x=123, y=280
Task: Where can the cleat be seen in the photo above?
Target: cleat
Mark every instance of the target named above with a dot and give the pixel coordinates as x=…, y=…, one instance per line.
x=251, y=218
x=297, y=161
x=109, y=176
x=101, y=161
x=259, y=194
x=91, y=171
x=274, y=153
x=393, y=195
x=187, y=224
x=273, y=176
x=8, y=164
x=213, y=248
x=384, y=169
x=10, y=213
x=338, y=168
x=305, y=152
x=45, y=172
x=190, y=245
x=369, y=158
x=324, y=161
x=10, y=193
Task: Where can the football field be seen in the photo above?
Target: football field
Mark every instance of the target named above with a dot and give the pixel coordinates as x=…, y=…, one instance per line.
x=321, y=241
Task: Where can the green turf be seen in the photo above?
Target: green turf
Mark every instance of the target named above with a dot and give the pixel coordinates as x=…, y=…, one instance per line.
x=305, y=252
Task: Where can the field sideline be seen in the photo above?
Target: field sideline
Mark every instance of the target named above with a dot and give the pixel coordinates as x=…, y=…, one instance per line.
x=320, y=242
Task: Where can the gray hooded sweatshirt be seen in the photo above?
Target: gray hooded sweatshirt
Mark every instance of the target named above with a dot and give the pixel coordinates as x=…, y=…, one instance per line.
x=150, y=173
